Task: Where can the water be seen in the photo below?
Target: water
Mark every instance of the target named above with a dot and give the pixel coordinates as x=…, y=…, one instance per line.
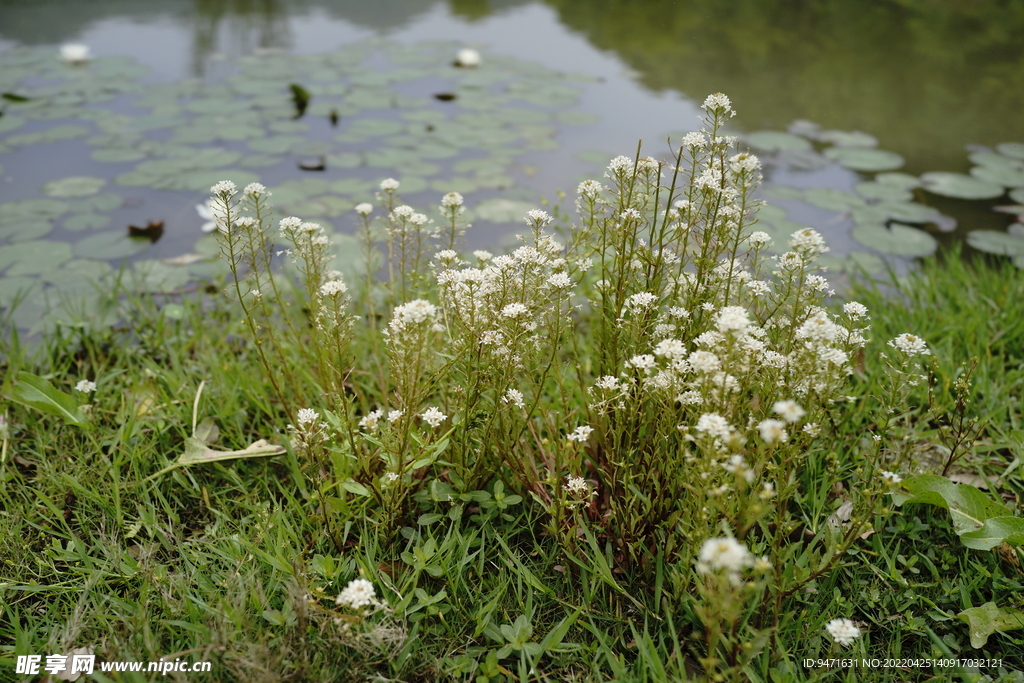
x=926, y=79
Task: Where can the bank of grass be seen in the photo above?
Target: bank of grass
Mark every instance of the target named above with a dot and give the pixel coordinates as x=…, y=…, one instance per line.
x=218, y=562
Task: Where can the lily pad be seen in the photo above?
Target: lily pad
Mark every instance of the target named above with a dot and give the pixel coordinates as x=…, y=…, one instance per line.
x=832, y=199
x=909, y=212
x=1005, y=176
x=995, y=242
x=864, y=158
x=78, y=273
x=883, y=192
x=896, y=240
x=843, y=138
x=75, y=186
x=960, y=186
x=903, y=181
x=1017, y=195
x=26, y=229
x=110, y=245
x=118, y=154
x=1011, y=149
x=995, y=160
x=86, y=221
x=33, y=258
x=501, y=210
x=777, y=141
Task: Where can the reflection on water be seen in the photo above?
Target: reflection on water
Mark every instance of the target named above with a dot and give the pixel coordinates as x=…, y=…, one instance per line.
x=924, y=76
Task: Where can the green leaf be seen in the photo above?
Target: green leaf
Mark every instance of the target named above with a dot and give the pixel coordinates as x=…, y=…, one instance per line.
x=967, y=505
x=776, y=141
x=995, y=242
x=842, y=138
x=995, y=531
x=75, y=186
x=985, y=620
x=1011, y=149
x=355, y=487
x=198, y=453
x=897, y=240
x=35, y=392
x=864, y=158
x=960, y=186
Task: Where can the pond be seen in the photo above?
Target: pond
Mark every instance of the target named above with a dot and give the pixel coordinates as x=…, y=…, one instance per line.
x=893, y=128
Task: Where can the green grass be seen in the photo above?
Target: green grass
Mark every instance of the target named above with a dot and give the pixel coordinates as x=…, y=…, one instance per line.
x=228, y=562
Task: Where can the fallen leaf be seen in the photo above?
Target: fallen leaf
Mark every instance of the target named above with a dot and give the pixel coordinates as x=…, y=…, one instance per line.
x=153, y=231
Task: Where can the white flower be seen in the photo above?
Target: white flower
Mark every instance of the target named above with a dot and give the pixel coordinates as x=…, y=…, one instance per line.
x=608, y=383
x=744, y=163
x=808, y=242
x=714, y=425
x=842, y=631
x=619, y=165
x=515, y=397
x=724, y=553
x=560, y=281
x=412, y=313
x=732, y=319
x=589, y=189
x=642, y=362
x=364, y=209
x=451, y=200
x=257, y=295
x=758, y=239
x=370, y=420
x=704, y=361
x=695, y=141
x=394, y=415
x=254, y=190
x=891, y=477
x=790, y=411
x=224, y=187
x=357, y=594
x=538, y=217
x=482, y=254
x=577, y=487
x=737, y=465
x=389, y=185
x=446, y=255
x=211, y=212
x=85, y=386
x=433, y=417
x=717, y=101
x=670, y=348
x=580, y=434
x=333, y=288
x=855, y=310
x=910, y=344
x=641, y=301
x=75, y=53
x=772, y=431
x=467, y=58
x=514, y=310
x=307, y=416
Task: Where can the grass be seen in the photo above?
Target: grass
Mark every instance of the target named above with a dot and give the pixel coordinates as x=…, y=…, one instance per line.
x=228, y=562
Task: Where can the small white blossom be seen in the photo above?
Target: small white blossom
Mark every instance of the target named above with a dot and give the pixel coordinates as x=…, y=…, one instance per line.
x=514, y=310
x=364, y=209
x=482, y=254
x=772, y=431
x=224, y=187
x=608, y=383
x=75, y=53
x=394, y=415
x=370, y=420
x=910, y=344
x=855, y=310
x=580, y=434
x=467, y=58
x=589, y=189
x=891, y=477
x=724, y=553
x=641, y=301
x=732, y=319
x=714, y=425
x=333, y=288
x=307, y=416
x=515, y=397
x=642, y=362
x=451, y=200
x=255, y=190
x=560, y=281
x=717, y=102
x=808, y=243
x=538, y=217
x=357, y=594
x=578, y=487
x=843, y=631
x=85, y=386
x=434, y=417
x=694, y=141
x=790, y=411
x=758, y=238
x=389, y=185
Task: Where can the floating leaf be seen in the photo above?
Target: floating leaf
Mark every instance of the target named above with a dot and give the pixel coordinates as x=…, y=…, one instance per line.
x=1005, y=176
x=883, y=191
x=994, y=242
x=1018, y=195
x=831, y=199
x=75, y=186
x=86, y=221
x=1011, y=149
x=501, y=210
x=903, y=181
x=33, y=258
x=985, y=620
x=960, y=186
x=995, y=160
x=842, y=138
x=109, y=245
x=35, y=392
x=897, y=240
x=864, y=158
x=776, y=141
x=909, y=212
